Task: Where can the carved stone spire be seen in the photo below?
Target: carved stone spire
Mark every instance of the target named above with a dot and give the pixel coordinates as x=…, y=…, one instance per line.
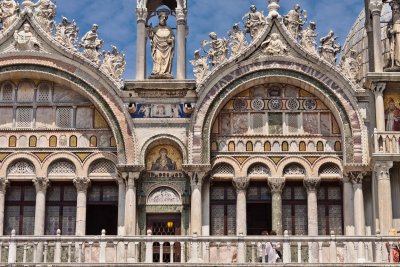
x=273, y=9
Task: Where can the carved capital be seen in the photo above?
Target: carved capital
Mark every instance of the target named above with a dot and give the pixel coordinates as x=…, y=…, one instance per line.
x=4, y=184
x=311, y=184
x=276, y=184
x=196, y=179
x=82, y=184
x=356, y=178
x=181, y=16
x=141, y=14
x=41, y=184
x=375, y=6
x=240, y=183
x=382, y=168
x=378, y=87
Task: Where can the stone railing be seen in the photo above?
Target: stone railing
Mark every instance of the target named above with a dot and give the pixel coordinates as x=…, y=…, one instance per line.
x=387, y=143
x=218, y=250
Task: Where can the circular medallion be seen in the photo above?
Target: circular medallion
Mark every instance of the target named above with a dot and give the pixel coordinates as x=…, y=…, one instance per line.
x=310, y=104
x=257, y=104
x=292, y=104
x=239, y=104
x=275, y=104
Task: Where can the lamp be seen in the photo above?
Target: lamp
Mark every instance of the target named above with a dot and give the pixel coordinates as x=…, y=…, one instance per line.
x=170, y=225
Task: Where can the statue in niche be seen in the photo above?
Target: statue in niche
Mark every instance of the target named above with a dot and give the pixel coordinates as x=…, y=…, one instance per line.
x=163, y=162
x=393, y=33
x=254, y=21
x=351, y=66
x=91, y=45
x=114, y=63
x=329, y=48
x=274, y=46
x=24, y=39
x=162, y=42
x=45, y=11
x=200, y=66
x=295, y=20
x=8, y=13
x=67, y=33
x=308, y=38
x=218, y=51
x=237, y=39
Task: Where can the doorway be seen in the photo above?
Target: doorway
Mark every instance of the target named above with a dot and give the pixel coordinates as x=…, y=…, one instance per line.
x=165, y=224
x=101, y=217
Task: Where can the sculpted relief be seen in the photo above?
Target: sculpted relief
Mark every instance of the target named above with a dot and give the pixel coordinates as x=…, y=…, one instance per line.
x=24, y=39
x=164, y=158
x=8, y=13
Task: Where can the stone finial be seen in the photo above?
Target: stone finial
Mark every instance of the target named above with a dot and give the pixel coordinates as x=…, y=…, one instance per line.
x=81, y=183
x=114, y=63
x=273, y=8
x=240, y=183
x=311, y=184
x=276, y=184
x=41, y=184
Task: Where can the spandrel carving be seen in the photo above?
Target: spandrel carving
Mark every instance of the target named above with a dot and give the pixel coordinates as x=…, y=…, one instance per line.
x=8, y=13
x=67, y=33
x=254, y=22
x=274, y=46
x=91, y=45
x=237, y=40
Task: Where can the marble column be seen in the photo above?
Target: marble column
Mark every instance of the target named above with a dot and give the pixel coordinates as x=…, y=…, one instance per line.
x=41, y=185
x=121, y=206
x=181, y=42
x=241, y=184
x=277, y=185
x=3, y=187
x=375, y=7
x=196, y=183
x=311, y=185
x=359, y=213
x=381, y=169
x=141, y=17
x=378, y=89
x=130, y=211
x=81, y=184
x=348, y=204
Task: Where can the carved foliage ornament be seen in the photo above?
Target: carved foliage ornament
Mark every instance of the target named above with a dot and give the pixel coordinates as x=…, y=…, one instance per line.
x=241, y=183
x=67, y=34
x=8, y=13
x=45, y=11
x=311, y=184
x=200, y=66
x=81, y=183
x=114, y=63
x=41, y=184
x=276, y=184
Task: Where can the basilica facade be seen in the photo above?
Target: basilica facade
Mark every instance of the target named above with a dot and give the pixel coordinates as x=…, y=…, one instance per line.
x=276, y=133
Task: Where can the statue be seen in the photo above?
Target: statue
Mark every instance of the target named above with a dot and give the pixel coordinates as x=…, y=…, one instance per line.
x=295, y=20
x=8, y=13
x=24, y=39
x=162, y=42
x=163, y=163
x=114, y=63
x=237, y=40
x=254, y=21
x=308, y=38
x=393, y=33
x=67, y=33
x=91, y=45
x=274, y=46
x=45, y=11
x=200, y=66
x=351, y=66
x=329, y=49
x=218, y=51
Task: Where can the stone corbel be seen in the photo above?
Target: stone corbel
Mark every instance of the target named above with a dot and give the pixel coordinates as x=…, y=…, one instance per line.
x=240, y=183
x=4, y=183
x=382, y=168
x=276, y=184
x=311, y=184
x=378, y=87
x=41, y=184
x=81, y=183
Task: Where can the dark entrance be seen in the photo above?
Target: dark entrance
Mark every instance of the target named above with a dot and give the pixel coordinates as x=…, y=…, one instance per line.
x=165, y=224
x=259, y=210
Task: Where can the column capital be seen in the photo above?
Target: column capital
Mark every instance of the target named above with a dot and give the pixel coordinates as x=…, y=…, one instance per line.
x=197, y=179
x=382, y=168
x=131, y=178
x=356, y=178
x=311, y=184
x=141, y=14
x=276, y=184
x=41, y=184
x=240, y=183
x=375, y=6
x=181, y=16
x=81, y=183
x=4, y=184
x=378, y=87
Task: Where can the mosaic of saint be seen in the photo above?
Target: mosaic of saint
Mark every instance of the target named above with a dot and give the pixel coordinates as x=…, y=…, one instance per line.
x=164, y=158
x=392, y=111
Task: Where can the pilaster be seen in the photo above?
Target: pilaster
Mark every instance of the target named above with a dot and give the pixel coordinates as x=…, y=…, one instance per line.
x=378, y=89
x=3, y=187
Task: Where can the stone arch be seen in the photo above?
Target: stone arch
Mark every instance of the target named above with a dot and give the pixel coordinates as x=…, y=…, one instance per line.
x=228, y=161
x=327, y=160
x=98, y=156
x=19, y=156
x=66, y=157
x=294, y=160
x=246, y=165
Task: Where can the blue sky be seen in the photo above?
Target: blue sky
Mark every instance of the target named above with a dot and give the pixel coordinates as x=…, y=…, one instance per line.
x=117, y=20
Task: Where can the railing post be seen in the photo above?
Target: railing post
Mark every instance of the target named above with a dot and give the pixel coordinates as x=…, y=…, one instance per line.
x=241, y=250
x=161, y=252
x=287, y=257
x=378, y=247
x=12, y=248
x=183, y=256
x=332, y=248
x=195, y=253
x=57, y=248
x=149, y=249
x=103, y=245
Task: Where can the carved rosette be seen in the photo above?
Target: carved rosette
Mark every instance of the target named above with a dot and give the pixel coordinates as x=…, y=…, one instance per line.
x=3, y=184
x=41, y=184
x=382, y=170
x=311, y=184
x=241, y=183
x=82, y=184
x=276, y=185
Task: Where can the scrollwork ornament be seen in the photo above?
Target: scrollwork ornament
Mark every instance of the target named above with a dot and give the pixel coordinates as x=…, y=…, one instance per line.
x=41, y=184
x=81, y=183
x=241, y=183
x=114, y=63
x=311, y=184
x=276, y=184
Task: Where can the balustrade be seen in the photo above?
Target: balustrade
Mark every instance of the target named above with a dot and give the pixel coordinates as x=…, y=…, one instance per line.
x=387, y=143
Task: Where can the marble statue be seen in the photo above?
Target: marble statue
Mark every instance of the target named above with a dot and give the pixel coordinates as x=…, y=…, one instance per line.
x=351, y=66
x=8, y=13
x=25, y=40
x=393, y=33
x=218, y=51
x=114, y=63
x=163, y=162
x=329, y=48
x=295, y=20
x=308, y=38
x=162, y=42
x=200, y=66
x=67, y=33
x=91, y=45
x=254, y=21
x=274, y=46
x=237, y=40
x=45, y=11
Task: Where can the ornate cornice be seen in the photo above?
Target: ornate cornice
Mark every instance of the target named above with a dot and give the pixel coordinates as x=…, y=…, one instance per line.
x=241, y=183
x=81, y=183
x=41, y=184
x=311, y=184
x=276, y=184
